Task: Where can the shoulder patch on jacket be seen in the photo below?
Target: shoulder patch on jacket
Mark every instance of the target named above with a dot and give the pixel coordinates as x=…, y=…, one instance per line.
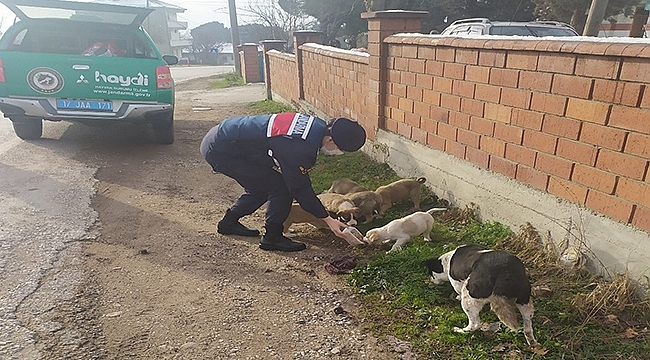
x=290, y=124
x=304, y=170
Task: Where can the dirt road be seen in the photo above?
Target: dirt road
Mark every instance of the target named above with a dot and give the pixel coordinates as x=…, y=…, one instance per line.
x=161, y=284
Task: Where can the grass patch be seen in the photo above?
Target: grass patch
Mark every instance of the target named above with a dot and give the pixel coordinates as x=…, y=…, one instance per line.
x=270, y=107
x=226, y=80
x=583, y=316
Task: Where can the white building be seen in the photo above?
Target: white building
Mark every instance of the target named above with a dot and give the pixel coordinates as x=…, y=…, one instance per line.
x=620, y=25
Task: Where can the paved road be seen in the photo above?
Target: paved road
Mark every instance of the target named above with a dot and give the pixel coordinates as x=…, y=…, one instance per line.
x=45, y=211
x=184, y=73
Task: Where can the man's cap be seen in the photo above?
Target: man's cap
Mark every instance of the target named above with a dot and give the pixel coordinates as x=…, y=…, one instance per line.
x=348, y=135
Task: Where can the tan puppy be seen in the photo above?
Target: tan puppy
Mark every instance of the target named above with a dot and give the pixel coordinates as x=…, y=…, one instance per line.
x=368, y=204
x=340, y=207
x=400, y=190
x=334, y=202
x=402, y=230
x=345, y=186
x=298, y=215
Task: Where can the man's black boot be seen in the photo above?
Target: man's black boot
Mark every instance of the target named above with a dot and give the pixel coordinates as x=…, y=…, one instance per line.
x=230, y=225
x=275, y=241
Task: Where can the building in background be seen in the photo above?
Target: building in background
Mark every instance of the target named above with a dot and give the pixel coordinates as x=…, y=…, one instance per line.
x=622, y=26
x=224, y=54
x=619, y=26
x=218, y=54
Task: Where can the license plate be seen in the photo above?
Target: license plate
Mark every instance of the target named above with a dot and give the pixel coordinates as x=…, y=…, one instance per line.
x=84, y=105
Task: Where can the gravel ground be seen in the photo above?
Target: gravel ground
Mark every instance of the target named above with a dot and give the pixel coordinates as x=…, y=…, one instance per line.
x=159, y=283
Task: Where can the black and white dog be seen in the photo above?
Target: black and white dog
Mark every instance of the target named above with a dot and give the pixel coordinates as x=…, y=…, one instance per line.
x=482, y=276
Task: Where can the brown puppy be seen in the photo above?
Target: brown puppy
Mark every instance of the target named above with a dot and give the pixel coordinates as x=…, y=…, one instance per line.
x=298, y=215
x=368, y=204
x=400, y=190
x=345, y=186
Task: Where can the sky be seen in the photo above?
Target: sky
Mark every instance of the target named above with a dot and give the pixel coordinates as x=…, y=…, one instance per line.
x=198, y=12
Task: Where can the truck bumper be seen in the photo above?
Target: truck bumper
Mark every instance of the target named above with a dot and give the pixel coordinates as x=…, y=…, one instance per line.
x=46, y=109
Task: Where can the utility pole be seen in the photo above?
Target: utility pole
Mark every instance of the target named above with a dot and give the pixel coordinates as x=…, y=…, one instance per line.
x=234, y=35
x=595, y=17
x=638, y=21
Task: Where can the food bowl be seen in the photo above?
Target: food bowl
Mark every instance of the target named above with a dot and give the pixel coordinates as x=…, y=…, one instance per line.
x=353, y=236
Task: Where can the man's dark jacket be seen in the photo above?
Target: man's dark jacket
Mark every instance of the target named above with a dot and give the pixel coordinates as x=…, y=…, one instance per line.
x=286, y=142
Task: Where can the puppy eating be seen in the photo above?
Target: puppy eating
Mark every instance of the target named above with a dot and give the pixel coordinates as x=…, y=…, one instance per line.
x=334, y=204
x=402, y=230
x=400, y=190
x=368, y=204
x=345, y=186
x=482, y=276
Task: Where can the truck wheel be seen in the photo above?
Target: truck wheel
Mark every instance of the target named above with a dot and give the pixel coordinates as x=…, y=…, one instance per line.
x=164, y=130
x=28, y=128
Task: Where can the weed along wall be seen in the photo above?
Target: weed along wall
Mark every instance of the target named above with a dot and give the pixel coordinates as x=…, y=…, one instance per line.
x=551, y=132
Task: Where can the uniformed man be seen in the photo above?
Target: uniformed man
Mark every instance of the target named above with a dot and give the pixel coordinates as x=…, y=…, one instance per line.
x=270, y=156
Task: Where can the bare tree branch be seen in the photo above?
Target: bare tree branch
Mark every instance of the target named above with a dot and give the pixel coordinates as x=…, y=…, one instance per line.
x=270, y=14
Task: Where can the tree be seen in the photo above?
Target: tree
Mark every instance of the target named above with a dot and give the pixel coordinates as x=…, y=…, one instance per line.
x=575, y=11
x=255, y=33
x=207, y=35
x=343, y=17
x=279, y=18
x=443, y=12
x=335, y=17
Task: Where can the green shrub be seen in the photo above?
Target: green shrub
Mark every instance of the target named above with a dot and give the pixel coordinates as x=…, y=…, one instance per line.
x=270, y=107
x=226, y=80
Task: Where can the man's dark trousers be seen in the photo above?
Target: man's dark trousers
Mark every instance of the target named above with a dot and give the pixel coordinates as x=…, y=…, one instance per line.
x=261, y=184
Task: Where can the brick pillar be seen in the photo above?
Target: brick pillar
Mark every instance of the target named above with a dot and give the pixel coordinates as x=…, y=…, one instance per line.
x=270, y=45
x=299, y=38
x=382, y=24
x=250, y=63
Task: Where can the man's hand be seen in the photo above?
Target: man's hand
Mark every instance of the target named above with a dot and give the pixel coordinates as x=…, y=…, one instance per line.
x=335, y=226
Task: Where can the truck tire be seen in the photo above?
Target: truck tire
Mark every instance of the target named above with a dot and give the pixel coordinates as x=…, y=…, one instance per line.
x=28, y=128
x=163, y=130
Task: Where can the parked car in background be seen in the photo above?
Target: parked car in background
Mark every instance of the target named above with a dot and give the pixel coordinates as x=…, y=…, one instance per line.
x=483, y=26
x=83, y=62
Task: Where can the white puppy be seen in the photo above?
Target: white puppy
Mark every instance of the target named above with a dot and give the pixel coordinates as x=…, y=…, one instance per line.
x=482, y=276
x=402, y=230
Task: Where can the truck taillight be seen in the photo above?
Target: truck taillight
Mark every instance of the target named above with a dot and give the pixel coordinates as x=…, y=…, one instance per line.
x=164, y=78
x=2, y=72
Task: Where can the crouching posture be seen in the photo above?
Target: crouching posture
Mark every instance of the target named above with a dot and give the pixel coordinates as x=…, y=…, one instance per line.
x=484, y=276
x=270, y=156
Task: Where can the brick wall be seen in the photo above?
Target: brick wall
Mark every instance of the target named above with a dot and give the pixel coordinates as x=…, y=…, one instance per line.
x=250, y=64
x=282, y=73
x=336, y=81
x=570, y=118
